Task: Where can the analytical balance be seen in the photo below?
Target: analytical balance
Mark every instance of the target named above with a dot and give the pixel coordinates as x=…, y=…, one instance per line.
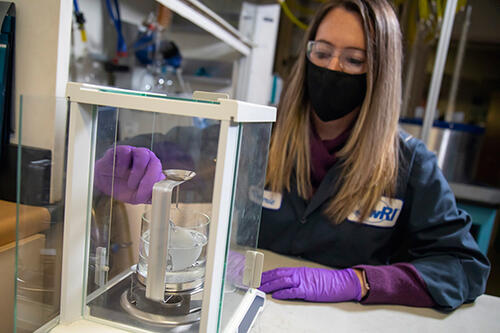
x=195, y=269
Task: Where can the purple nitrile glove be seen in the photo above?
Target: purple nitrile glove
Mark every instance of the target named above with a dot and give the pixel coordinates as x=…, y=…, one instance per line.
x=312, y=284
x=136, y=170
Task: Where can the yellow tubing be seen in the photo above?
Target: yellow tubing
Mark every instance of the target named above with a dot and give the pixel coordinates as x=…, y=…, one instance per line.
x=83, y=34
x=290, y=15
x=461, y=4
x=423, y=9
x=439, y=8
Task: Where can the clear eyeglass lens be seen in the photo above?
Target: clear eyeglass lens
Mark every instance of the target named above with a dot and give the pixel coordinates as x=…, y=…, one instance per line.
x=350, y=61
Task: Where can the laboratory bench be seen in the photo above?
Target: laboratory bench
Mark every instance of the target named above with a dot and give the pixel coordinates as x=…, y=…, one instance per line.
x=300, y=316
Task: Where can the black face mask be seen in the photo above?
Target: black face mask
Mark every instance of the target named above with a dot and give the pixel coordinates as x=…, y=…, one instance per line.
x=334, y=94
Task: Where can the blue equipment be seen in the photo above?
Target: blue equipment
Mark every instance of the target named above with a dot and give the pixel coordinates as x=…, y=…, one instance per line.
x=7, y=24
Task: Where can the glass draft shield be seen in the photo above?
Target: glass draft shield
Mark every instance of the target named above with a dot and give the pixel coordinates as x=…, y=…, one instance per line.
x=163, y=204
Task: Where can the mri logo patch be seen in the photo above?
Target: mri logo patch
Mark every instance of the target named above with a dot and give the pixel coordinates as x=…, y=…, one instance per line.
x=384, y=215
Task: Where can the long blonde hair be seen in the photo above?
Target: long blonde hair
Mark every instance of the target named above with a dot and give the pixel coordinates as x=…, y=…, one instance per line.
x=370, y=155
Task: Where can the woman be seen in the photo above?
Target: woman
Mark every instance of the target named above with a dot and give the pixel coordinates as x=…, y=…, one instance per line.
x=349, y=190
x=345, y=188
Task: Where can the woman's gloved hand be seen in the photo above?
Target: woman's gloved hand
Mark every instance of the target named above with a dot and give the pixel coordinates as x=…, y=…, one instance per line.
x=136, y=171
x=312, y=284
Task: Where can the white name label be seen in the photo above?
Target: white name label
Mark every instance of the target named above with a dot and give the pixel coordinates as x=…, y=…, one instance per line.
x=385, y=214
x=272, y=200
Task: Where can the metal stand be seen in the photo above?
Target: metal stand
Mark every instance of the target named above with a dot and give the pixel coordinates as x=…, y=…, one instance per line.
x=178, y=308
x=128, y=294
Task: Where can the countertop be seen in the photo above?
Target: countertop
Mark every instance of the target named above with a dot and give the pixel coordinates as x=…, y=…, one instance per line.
x=299, y=316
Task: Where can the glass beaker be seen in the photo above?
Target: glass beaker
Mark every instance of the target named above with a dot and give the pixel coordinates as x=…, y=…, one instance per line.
x=186, y=257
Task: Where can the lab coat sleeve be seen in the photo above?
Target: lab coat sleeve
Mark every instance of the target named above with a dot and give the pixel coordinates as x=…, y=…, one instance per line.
x=398, y=283
x=441, y=247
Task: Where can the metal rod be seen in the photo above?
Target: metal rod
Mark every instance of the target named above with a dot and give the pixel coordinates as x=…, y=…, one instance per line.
x=410, y=73
x=458, y=66
x=437, y=73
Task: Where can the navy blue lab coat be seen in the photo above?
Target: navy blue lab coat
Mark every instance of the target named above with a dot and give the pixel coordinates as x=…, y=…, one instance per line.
x=424, y=228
